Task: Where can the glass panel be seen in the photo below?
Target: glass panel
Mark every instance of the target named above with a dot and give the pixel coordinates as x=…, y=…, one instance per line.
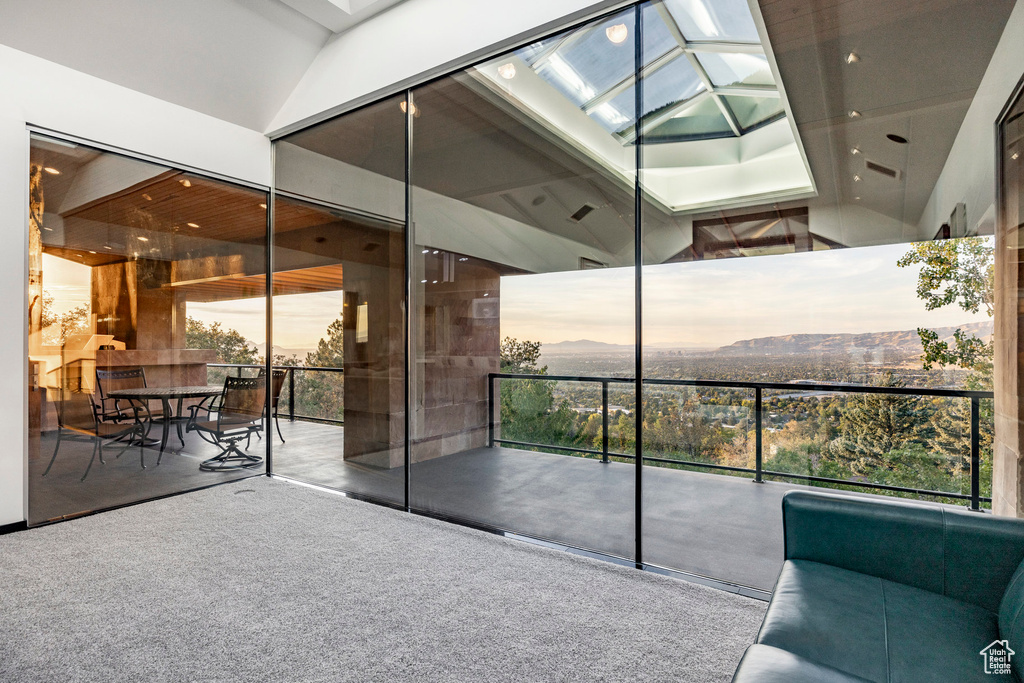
x=750, y=111
x=819, y=306
x=675, y=82
x=592, y=59
x=714, y=20
x=339, y=274
x=702, y=120
x=142, y=279
x=518, y=240
x=736, y=69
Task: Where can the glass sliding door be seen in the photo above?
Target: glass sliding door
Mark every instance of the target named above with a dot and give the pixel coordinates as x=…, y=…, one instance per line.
x=523, y=287
x=145, y=283
x=339, y=284
x=817, y=306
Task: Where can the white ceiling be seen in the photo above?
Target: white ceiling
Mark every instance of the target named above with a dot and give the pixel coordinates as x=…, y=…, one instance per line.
x=237, y=60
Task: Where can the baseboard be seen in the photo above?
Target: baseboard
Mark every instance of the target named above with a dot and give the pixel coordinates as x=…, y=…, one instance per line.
x=11, y=528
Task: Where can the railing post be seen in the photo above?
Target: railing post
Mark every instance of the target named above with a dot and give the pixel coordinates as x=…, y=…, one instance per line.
x=238, y=369
x=490, y=410
x=291, y=395
x=975, y=454
x=604, y=421
x=757, y=435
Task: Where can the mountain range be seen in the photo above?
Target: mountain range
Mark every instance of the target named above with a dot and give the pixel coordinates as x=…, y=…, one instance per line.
x=899, y=341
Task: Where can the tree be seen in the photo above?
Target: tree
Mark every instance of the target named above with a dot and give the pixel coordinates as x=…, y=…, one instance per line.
x=230, y=345
x=63, y=324
x=873, y=425
x=330, y=351
x=961, y=272
x=520, y=357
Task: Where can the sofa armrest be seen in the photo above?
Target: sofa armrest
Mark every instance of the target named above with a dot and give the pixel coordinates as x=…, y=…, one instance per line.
x=969, y=556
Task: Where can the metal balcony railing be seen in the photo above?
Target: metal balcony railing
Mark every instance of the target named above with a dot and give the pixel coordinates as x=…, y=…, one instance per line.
x=291, y=370
x=758, y=471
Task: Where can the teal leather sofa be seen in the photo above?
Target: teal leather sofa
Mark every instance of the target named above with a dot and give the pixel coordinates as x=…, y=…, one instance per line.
x=889, y=591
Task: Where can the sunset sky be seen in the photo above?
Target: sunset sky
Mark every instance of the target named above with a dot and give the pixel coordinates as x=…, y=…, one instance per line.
x=710, y=303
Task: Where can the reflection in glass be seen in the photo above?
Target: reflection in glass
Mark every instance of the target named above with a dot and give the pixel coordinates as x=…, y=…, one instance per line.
x=513, y=226
x=751, y=111
x=143, y=281
x=339, y=274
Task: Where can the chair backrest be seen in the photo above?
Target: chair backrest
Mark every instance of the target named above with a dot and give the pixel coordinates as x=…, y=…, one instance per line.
x=244, y=397
x=276, y=384
x=113, y=380
x=75, y=410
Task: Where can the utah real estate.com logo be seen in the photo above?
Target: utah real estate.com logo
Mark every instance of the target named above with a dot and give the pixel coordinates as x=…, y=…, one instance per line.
x=997, y=657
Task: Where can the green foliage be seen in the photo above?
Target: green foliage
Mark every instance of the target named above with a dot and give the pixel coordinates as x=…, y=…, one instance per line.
x=330, y=351
x=528, y=409
x=961, y=272
x=520, y=357
x=230, y=345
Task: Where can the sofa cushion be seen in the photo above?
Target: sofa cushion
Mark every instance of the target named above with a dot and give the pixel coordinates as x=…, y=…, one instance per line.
x=765, y=664
x=875, y=629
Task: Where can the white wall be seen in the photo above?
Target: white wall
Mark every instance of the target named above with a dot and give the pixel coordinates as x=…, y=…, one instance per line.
x=38, y=92
x=969, y=173
x=412, y=38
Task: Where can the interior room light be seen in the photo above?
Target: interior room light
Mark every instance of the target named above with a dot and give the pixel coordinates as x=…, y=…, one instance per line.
x=143, y=239
x=435, y=251
x=854, y=113
x=426, y=251
x=464, y=258
x=192, y=225
x=263, y=206
x=107, y=246
x=1015, y=156
x=405, y=107
x=91, y=252
x=186, y=182
x=435, y=282
x=51, y=170
x=507, y=71
x=852, y=58
x=855, y=150
x=147, y=197
x=856, y=178
x=617, y=34
x=423, y=281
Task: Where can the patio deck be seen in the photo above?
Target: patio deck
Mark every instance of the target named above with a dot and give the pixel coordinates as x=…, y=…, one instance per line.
x=723, y=527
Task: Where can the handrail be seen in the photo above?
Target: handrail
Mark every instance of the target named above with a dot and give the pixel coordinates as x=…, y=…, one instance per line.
x=975, y=396
x=291, y=384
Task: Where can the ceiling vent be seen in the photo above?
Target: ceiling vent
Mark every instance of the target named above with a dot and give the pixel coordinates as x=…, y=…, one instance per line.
x=890, y=173
x=582, y=212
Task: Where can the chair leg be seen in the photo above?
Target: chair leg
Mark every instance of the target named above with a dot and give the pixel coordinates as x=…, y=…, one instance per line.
x=95, y=447
x=59, y=432
x=99, y=442
x=278, y=425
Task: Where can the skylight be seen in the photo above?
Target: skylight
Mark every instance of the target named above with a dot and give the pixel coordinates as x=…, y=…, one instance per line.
x=705, y=72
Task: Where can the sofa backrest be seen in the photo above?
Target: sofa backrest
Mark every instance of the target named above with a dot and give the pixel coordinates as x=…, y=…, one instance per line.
x=969, y=556
x=1011, y=613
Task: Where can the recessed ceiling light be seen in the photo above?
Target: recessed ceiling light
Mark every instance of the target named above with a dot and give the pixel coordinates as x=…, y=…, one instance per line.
x=507, y=71
x=80, y=256
x=856, y=199
x=51, y=170
x=855, y=150
x=426, y=251
x=192, y=225
x=107, y=246
x=852, y=58
x=856, y=178
x=143, y=239
x=617, y=34
x=854, y=113
x=1015, y=156
x=48, y=229
x=147, y=197
x=435, y=251
x=464, y=258
x=405, y=108
x=263, y=206
x=435, y=282
x=486, y=294
x=186, y=182
x=897, y=138
x=423, y=281
x=92, y=252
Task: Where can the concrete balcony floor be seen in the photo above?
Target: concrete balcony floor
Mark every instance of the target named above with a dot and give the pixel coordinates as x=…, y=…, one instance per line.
x=723, y=527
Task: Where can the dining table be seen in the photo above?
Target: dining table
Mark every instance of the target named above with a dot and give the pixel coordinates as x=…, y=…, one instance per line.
x=166, y=395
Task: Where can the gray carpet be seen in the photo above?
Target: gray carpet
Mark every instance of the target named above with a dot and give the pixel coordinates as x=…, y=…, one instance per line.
x=264, y=580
